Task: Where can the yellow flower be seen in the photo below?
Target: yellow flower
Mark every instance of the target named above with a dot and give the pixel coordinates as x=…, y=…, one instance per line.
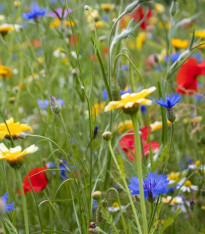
x=158, y=125
x=196, y=119
x=124, y=126
x=200, y=34
x=17, y=3
x=173, y=176
x=107, y=7
x=5, y=28
x=166, y=25
x=187, y=184
x=98, y=108
x=159, y=8
x=15, y=155
x=14, y=128
x=69, y=23
x=99, y=24
x=115, y=204
x=153, y=20
x=5, y=71
x=197, y=163
x=140, y=40
x=178, y=43
x=55, y=23
x=130, y=101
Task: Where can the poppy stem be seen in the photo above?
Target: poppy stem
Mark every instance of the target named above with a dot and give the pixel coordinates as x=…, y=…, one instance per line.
x=23, y=199
x=139, y=170
x=126, y=187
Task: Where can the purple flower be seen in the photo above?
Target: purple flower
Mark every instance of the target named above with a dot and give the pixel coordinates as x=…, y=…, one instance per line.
x=35, y=12
x=4, y=207
x=60, y=13
x=153, y=185
x=43, y=104
x=170, y=101
x=64, y=167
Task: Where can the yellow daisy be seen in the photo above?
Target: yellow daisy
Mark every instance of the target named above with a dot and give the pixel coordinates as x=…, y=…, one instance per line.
x=140, y=40
x=5, y=71
x=98, y=108
x=107, y=6
x=131, y=101
x=15, y=155
x=200, y=34
x=159, y=8
x=55, y=23
x=4, y=29
x=158, y=125
x=178, y=43
x=124, y=126
x=14, y=128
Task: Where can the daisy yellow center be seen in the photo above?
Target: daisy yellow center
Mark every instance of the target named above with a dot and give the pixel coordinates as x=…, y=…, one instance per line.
x=187, y=184
x=173, y=176
x=115, y=204
x=197, y=163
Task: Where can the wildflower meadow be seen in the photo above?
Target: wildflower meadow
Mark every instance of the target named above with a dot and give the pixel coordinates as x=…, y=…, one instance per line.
x=102, y=116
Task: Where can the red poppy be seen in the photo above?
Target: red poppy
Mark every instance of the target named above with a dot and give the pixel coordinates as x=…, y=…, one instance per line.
x=37, y=178
x=138, y=15
x=127, y=143
x=73, y=40
x=36, y=43
x=187, y=76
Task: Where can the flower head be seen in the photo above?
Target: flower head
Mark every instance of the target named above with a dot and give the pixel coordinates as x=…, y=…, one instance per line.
x=4, y=207
x=35, y=12
x=5, y=71
x=129, y=101
x=14, y=128
x=187, y=74
x=178, y=43
x=37, y=179
x=64, y=169
x=15, y=155
x=153, y=185
x=170, y=101
x=60, y=13
x=107, y=6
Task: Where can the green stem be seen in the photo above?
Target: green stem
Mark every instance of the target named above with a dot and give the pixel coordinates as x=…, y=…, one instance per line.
x=23, y=198
x=107, y=175
x=171, y=138
x=126, y=187
x=139, y=170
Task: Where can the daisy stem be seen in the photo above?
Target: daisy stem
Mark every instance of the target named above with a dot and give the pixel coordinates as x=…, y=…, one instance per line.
x=23, y=198
x=126, y=187
x=139, y=170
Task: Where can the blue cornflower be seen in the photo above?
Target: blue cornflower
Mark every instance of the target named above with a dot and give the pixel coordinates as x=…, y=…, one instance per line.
x=35, y=12
x=125, y=67
x=64, y=169
x=4, y=207
x=43, y=104
x=153, y=185
x=143, y=109
x=95, y=132
x=170, y=101
x=174, y=57
x=105, y=18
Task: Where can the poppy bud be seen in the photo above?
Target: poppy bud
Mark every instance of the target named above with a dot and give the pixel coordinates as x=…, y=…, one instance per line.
x=115, y=92
x=107, y=136
x=173, y=8
x=97, y=195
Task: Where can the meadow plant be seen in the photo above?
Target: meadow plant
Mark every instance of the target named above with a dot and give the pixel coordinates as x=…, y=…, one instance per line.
x=102, y=116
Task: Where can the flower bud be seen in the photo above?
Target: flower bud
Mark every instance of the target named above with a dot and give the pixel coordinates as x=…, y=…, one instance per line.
x=173, y=8
x=55, y=105
x=107, y=136
x=171, y=116
x=122, y=80
x=97, y=195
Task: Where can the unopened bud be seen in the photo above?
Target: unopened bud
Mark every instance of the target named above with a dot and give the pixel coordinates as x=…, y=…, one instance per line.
x=173, y=8
x=171, y=116
x=97, y=195
x=55, y=105
x=107, y=136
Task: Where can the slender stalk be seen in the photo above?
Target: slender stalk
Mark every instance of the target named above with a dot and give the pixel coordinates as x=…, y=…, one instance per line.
x=23, y=198
x=126, y=187
x=139, y=171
